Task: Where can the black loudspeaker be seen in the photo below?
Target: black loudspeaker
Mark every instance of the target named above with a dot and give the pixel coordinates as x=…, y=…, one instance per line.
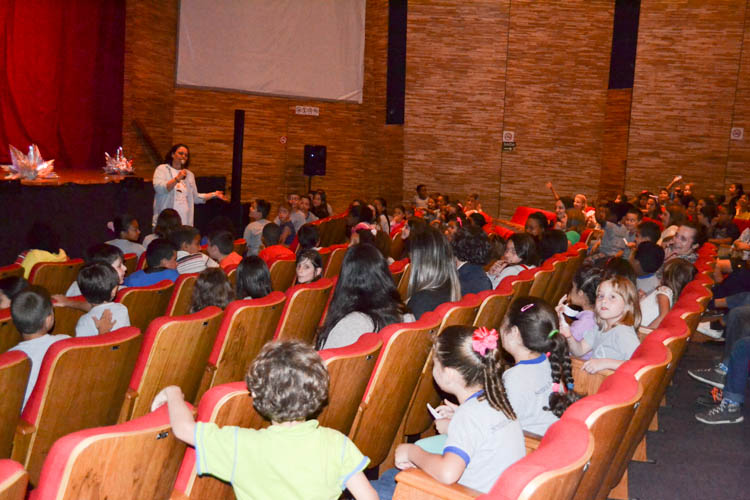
x=315, y=160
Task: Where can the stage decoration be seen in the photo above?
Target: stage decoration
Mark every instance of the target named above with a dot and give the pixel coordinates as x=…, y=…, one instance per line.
x=119, y=165
x=30, y=166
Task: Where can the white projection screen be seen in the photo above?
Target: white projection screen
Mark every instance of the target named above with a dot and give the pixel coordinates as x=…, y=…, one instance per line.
x=297, y=48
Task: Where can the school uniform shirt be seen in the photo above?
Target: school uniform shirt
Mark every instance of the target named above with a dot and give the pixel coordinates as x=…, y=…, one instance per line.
x=86, y=326
x=252, y=235
x=127, y=246
x=486, y=440
x=35, y=349
x=193, y=262
x=473, y=279
x=142, y=278
x=528, y=385
x=616, y=343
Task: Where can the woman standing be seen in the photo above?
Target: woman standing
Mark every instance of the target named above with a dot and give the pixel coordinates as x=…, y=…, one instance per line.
x=174, y=186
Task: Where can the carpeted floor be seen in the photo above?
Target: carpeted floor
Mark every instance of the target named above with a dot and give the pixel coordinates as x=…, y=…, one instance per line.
x=693, y=460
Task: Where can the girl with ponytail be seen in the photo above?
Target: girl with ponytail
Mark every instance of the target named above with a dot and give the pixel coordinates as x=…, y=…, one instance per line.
x=540, y=384
x=483, y=435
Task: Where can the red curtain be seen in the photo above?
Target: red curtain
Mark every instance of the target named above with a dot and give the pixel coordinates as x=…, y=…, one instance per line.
x=61, y=79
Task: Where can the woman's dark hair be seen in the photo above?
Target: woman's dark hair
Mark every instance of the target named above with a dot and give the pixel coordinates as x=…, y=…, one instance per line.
x=538, y=325
x=617, y=266
x=321, y=211
x=525, y=248
x=170, y=155
x=552, y=243
x=13, y=285
x=587, y=280
x=308, y=236
x=41, y=236
x=471, y=244
x=315, y=259
x=253, y=278
x=541, y=219
x=432, y=263
x=212, y=288
x=167, y=221
x=454, y=349
x=365, y=285
x=122, y=223
x=477, y=219
x=567, y=202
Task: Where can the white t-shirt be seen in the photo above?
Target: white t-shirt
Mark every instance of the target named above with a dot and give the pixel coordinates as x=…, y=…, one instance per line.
x=511, y=270
x=486, y=440
x=86, y=327
x=127, y=246
x=35, y=349
x=616, y=343
x=528, y=385
x=351, y=327
x=650, y=304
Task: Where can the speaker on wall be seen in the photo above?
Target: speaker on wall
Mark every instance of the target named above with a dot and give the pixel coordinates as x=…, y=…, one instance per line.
x=315, y=160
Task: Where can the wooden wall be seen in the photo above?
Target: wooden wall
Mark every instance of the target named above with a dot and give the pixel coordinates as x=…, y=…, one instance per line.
x=686, y=80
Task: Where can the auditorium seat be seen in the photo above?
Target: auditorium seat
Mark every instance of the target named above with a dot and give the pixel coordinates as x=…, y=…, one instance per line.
x=66, y=318
x=302, y=311
x=397, y=245
x=350, y=369
x=397, y=269
x=283, y=271
x=182, y=295
x=10, y=271
x=137, y=459
x=522, y=281
x=494, y=304
x=333, y=268
x=551, y=472
x=245, y=328
x=518, y=220
x=543, y=277
x=142, y=264
x=131, y=262
x=9, y=335
x=55, y=277
x=174, y=352
x=403, y=283
x=81, y=384
x=386, y=399
x=240, y=246
x=15, y=367
x=560, y=263
x=146, y=303
x=232, y=275
x=13, y=480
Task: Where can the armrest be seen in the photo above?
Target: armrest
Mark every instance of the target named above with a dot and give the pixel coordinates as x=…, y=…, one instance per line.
x=587, y=383
x=126, y=412
x=643, y=333
x=531, y=440
x=22, y=441
x=414, y=484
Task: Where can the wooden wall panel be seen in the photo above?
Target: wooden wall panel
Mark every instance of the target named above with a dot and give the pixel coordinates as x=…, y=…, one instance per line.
x=364, y=156
x=556, y=97
x=455, y=88
x=615, y=148
x=738, y=162
x=685, y=82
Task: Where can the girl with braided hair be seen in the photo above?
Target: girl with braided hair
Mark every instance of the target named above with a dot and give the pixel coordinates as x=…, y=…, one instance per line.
x=540, y=384
x=483, y=435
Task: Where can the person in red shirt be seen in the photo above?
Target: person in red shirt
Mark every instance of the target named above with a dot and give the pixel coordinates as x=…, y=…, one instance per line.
x=221, y=249
x=272, y=250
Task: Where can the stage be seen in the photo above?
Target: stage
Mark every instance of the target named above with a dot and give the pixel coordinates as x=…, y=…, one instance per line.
x=79, y=203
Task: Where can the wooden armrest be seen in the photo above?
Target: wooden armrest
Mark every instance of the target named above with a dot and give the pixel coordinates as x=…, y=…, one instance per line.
x=643, y=333
x=414, y=484
x=128, y=405
x=587, y=383
x=531, y=440
x=22, y=441
x=207, y=381
x=178, y=495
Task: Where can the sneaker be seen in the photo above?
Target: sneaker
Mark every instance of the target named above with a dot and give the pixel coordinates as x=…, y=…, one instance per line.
x=710, y=376
x=725, y=413
x=710, y=401
x=704, y=327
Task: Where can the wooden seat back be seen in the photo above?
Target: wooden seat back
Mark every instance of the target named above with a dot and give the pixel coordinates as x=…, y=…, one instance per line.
x=11, y=270
x=131, y=262
x=66, y=318
x=136, y=459
x=13, y=480
x=15, y=367
x=9, y=335
x=174, y=352
x=494, y=305
x=240, y=246
x=523, y=281
x=283, y=272
x=146, y=303
x=333, y=268
x=397, y=245
x=226, y=404
x=397, y=270
x=81, y=384
x=349, y=369
x=648, y=365
x=246, y=327
x=55, y=277
x=542, y=278
x=333, y=230
x=559, y=265
x=302, y=311
x=403, y=283
x=182, y=295
x=396, y=373
x=142, y=264
x=418, y=418
x=232, y=276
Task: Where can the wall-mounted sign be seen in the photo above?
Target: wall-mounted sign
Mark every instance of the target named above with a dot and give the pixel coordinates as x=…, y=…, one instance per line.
x=738, y=133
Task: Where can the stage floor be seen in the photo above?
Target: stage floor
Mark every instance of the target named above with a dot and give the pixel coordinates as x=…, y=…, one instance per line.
x=84, y=177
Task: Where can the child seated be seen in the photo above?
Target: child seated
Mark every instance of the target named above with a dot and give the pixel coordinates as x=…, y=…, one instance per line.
x=32, y=315
x=161, y=257
x=656, y=305
x=294, y=457
x=44, y=246
x=630, y=222
x=520, y=254
x=618, y=315
x=221, y=249
x=272, y=250
x=190, y=259
x=104, y=253
x=283, y=220
x=212, y=288
x=647, y=260
x=126, y=228
x=309, y=266
x=259, y=210
x=581, y=301
x=9, y=288
x=253, y=279
x=98, y=283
